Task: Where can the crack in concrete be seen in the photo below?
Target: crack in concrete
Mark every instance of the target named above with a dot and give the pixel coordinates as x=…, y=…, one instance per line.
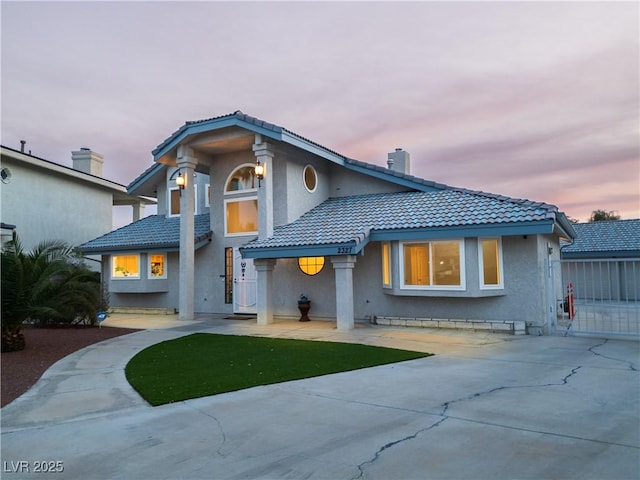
x=391, y=444
x=630, y=364
x=218, y=423
x=445, y=406
x=444, y=416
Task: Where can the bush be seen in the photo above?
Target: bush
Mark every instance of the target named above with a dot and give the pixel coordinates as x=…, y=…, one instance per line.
x=49, y=285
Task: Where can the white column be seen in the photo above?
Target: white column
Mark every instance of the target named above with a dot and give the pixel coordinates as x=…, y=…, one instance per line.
x=264, y=154
x=138, y=210
x=187, y=162
x=264, y=270
x=343, y=267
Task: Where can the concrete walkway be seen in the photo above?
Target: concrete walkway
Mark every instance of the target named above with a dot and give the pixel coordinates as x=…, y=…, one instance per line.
x=486, y=406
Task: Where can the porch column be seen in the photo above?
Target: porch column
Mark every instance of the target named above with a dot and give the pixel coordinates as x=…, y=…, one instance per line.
x=264, y=154
x=187, y=162
x=264, y=270
x=343, y=267
x=138, y=210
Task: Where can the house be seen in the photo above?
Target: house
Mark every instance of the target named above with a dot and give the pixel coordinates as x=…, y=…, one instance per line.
x=604, y=240
x=264, y=215
x=43, y=200
x=603, y=262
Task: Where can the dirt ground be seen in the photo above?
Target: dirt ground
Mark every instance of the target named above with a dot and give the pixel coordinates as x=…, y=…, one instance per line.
x=45, y=346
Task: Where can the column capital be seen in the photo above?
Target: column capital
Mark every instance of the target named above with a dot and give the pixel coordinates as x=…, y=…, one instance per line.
x=264, y=264
x=263, y=150
x=186, y=157
x=344, y=261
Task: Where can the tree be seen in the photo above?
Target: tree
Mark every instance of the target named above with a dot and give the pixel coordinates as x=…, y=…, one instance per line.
x=602, y=215
x=48, y=285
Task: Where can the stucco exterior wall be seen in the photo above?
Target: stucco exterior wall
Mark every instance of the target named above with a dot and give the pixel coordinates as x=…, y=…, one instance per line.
x=49, y=206
x=521, y=300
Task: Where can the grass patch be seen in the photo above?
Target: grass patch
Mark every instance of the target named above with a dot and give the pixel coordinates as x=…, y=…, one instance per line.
x=205, y=364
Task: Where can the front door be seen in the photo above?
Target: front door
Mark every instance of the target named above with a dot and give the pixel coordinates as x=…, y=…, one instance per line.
x=244, y=284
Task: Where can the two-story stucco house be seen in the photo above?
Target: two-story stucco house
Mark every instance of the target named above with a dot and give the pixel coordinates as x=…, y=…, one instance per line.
x=44, y=200
x=266, y=215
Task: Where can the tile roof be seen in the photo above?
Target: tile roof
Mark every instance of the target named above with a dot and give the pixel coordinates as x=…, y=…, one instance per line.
x=613, y=236
x=152, y=232
x=248, y=119
x=352, y=219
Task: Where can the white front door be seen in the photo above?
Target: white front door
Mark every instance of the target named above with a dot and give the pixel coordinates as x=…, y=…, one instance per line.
x=244, y=284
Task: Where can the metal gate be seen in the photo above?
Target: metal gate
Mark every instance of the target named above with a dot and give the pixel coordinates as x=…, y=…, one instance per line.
x=594, y=297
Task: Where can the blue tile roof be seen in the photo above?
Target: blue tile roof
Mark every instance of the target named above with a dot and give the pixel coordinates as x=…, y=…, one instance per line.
x=150, y=233
x=607, y=238
x=354, y=219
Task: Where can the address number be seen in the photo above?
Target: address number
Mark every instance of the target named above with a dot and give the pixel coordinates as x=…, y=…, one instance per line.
x=345, y=249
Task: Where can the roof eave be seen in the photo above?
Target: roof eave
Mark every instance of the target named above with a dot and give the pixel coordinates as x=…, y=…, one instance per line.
x=466, y=231
x=618, y=254
x=214, y=124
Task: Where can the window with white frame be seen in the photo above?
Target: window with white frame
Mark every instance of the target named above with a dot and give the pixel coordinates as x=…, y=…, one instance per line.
x=242, y=178
x=490, y=258
x=386, y=264
x=241, y=202
x=310, y=178
x=207, y=195
x=433, y=265
x=157, y=265
x=125, y=266
x=241, y=217
x=174, y=200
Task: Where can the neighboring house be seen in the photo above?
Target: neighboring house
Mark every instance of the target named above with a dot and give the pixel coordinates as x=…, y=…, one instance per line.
x=42, y=200
x=603, y=261
x=604, y=240
x=359, y=240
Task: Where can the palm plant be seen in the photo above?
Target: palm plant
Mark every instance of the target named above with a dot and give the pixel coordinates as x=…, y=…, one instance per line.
x=48, y=285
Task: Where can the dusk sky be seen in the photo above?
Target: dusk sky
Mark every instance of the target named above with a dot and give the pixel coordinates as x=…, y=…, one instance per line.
x=531, y=100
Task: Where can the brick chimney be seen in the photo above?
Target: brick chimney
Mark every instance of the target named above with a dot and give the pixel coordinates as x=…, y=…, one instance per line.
x=87, y=161
x=399, y=161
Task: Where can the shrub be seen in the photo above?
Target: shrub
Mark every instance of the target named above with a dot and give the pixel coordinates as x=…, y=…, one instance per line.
x=49, y=285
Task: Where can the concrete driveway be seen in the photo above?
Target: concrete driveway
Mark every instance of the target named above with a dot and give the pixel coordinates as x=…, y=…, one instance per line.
x=485, y=407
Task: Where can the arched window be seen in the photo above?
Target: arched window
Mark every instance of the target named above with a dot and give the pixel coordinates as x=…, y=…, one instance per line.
x=241, y=202
x=242, y=178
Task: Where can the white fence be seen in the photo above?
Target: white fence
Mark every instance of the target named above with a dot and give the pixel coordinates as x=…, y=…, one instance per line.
x=605, y=297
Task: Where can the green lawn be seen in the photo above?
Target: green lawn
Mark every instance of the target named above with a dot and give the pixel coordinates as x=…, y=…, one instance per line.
x=205, y=364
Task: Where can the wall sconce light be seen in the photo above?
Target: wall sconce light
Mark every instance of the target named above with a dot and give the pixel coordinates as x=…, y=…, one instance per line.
x=259, y=171
x=180, y=180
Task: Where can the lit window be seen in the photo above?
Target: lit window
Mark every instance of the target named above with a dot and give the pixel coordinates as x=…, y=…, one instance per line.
x=310, y=178
x=416, y=264
x=242, y=178
x=311, y=265
x=446, y=263
x=125, y=266
x=157, y=265
x=174, y=201
x=386, y=264
x=490, y=254
x=436, y=265
x=241, y=217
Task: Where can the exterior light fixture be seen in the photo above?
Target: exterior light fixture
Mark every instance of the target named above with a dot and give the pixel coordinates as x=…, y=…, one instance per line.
x=181, y=180
x=259, y=171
